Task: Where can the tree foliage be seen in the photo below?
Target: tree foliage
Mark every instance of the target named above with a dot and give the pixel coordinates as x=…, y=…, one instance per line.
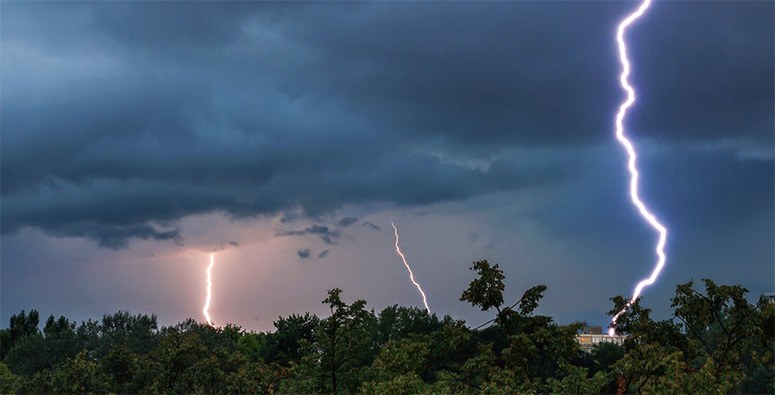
x=486, y=290
x=716, y=341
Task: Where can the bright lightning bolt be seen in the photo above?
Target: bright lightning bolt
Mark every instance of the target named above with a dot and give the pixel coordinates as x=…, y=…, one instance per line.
x=411, y=275
x=206, y=308
x=631, y=165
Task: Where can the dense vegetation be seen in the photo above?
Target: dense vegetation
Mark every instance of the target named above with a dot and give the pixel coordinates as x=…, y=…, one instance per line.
x=716, y=342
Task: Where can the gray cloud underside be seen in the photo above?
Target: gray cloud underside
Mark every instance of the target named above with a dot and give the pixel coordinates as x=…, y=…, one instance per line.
x=330, y=236
x=370, y=225
x=119, y=119
x=303, y=253
x=347, y=221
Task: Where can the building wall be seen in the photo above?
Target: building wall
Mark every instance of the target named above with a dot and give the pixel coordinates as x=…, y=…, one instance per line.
x=588, y=341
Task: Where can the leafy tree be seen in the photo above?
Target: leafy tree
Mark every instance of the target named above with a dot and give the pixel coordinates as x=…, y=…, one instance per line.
x=284, y=346
x=717, y=322
x=758, y=355
x=24, y=325
x=601, y=360
x=57, y=326
x=89, y=335
x=9, y=382
x=645, y=364
x=480, y=372
x=61, y=340
x=401, y=357
x=715, y=342
x=138, y=332
x=637, y=323
x=541, y=352
x=253, y=377
x=342, y=346
x=526, y=349
x=398, y=322
x=28, y=355
x=79, y=375
x=255, y=347
x=604, y=356
x=39, y=383
x=576, y=381
x=396, y=368
x=21, y=325
x=187, y=365
x=119, y=365
x=5, y=342
x=145, y=368
x=225, y=338
x=486, y=290
x=450, y=349
x=409, y=383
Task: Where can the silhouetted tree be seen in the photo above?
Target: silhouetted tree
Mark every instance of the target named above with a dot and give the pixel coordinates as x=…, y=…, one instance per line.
x=715, y=342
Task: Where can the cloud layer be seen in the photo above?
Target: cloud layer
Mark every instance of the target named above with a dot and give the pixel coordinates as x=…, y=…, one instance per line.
x=118, y=120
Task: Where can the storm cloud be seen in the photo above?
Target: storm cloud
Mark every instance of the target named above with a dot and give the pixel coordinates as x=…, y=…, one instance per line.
x=370, y=225
x=330, y=236
x=304, y=253
x=119, y=120
x=347, y=221
x=130, y=129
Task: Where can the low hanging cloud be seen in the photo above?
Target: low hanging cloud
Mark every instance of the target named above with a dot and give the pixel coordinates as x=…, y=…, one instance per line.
x=304, y=253
x=116, y=237
x=226, y=245
x=347, y=221
x=370, y=225
x=330, y=236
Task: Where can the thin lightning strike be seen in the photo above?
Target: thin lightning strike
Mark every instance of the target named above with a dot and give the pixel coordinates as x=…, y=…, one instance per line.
x=411, y=275
x=644, y=211
x=206, y=309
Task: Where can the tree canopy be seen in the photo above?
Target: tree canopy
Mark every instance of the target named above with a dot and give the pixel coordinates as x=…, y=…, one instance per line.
x=716, y=341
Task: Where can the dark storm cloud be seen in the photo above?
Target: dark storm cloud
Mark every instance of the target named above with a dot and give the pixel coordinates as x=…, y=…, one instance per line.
x=693, y=190
x=482, y=74
x=330, y=236
x=710, y=190
x=230, y=244
x=303, y=253
x=119, y=119
x=705, y=70
x=115, y=237
x=347, y=221
x=370, y=225
x=542, y=72
x=166, y=25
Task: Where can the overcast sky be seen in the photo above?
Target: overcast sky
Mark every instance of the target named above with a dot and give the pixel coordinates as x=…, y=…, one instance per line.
x=138, y=137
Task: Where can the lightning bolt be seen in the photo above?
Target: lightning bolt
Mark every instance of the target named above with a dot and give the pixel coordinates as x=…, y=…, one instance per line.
x=631, y=164
x=411, y=275
x=206, y=308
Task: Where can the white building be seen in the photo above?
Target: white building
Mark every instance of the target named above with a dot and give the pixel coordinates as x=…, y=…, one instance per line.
x=588, y=341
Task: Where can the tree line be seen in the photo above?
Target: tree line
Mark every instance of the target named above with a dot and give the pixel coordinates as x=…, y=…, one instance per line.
x=715, y=342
